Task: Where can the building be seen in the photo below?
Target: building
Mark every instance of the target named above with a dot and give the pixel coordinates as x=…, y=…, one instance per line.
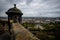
x=14, y=14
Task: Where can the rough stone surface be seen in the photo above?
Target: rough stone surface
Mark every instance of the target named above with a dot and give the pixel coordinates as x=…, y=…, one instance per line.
x=21, y=33
x=18, y=33
x=5, y=36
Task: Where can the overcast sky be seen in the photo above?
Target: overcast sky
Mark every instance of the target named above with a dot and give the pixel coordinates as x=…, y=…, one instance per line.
x=32, y=8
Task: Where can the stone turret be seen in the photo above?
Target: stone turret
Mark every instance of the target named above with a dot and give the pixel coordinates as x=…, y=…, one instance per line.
x=14, y=15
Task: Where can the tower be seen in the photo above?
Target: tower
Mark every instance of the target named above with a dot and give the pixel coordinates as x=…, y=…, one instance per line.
x=14, y=14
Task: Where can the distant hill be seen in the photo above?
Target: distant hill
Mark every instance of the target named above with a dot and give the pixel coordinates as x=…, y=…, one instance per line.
x=32, y=17
x=3, y=17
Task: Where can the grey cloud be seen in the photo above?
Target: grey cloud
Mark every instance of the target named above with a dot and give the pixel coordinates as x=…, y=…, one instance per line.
x=28, y=1
x=52, y=9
